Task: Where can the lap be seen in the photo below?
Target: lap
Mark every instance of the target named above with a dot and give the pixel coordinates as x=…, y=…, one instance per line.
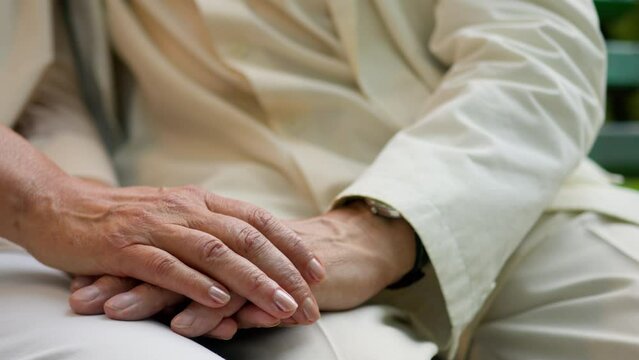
x=570, y=292
x=371, y=332
x=36, y=322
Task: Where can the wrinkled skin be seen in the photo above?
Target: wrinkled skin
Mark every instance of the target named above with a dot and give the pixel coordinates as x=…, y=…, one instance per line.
x=182, y=239
x=362, y=253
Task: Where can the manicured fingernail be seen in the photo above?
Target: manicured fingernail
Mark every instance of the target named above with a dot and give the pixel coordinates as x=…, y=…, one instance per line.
x=219, y=295
x=311, y=312
x=284, y=301
x=315, y=270
x=184, y=320
x=87, y=294
x=122, y=301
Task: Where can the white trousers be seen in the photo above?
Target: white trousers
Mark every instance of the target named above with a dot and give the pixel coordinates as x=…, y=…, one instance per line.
x=571, y=291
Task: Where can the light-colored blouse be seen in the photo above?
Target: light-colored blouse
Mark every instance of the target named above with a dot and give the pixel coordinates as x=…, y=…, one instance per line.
x=470, y=117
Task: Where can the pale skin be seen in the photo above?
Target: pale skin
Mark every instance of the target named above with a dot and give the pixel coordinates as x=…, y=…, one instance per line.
x=194, y=243
x=154, y=248
x=363, y=254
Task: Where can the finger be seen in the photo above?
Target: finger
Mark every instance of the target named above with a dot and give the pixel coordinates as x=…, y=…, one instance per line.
x=141, y=302
x=250, y=316
x=285, y=239
x=196, y=319
x=225, y=330
x=248, y=242
x=288, y=323
x=210, y=255
x=79, y=282
x=90, y=300
x=164, y=270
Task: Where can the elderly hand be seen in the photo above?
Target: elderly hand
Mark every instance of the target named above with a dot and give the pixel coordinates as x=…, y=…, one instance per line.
x=181, y=239
x=363, y=254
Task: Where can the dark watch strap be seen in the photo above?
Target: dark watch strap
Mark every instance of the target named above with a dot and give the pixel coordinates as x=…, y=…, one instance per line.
x=416, y=273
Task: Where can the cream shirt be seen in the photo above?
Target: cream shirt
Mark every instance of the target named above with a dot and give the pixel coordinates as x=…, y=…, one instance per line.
x=467, y=116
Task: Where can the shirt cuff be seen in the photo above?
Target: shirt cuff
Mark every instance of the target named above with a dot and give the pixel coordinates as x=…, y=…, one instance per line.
x=453, y=279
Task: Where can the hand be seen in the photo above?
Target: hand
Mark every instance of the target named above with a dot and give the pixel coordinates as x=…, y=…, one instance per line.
x=363, y=254
x=181, y=239
x=148, y=300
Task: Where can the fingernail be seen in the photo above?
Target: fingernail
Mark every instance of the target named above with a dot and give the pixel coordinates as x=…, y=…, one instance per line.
x=311, y=312
x=315, y=270
x=87, y=294
x=284, y=301
x=122, y=301
x=184, y=320
x=219, y=295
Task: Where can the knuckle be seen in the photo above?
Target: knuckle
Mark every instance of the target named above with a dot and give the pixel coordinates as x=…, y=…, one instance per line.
x=211, y=199
x=298, y=246
x=194, y=194
x=258, y=281
x=294, y=283
x=175, y=200
x=261, y=219
x=162, y=265
x=212, y=250
x=184, y=200
x=251, y=241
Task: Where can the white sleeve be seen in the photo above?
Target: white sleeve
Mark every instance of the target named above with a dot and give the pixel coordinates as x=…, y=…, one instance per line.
x=517, y=110
x=56, y=122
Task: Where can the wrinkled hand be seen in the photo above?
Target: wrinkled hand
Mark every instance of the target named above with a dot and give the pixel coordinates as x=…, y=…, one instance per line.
x=362, y=253
x=143, y=300
x=181, y=239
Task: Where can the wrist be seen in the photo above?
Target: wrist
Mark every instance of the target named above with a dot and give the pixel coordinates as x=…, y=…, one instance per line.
x=45, y=205
x=392, y=240
x=30, y=202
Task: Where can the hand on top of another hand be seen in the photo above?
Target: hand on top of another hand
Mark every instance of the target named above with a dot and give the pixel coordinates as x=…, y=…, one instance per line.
x=185, y=240
x=363, y=254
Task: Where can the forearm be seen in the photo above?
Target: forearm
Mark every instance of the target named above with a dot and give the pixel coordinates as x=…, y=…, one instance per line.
x=515, y=113
x=26, y=178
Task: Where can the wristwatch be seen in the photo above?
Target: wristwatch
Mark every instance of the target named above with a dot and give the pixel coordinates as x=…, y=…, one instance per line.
x=384, y=210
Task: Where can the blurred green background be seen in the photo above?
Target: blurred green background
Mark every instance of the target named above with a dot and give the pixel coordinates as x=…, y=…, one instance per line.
x=617, y=148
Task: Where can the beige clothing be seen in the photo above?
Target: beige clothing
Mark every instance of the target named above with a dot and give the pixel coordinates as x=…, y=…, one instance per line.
x=548, y=306
x=467, y=116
